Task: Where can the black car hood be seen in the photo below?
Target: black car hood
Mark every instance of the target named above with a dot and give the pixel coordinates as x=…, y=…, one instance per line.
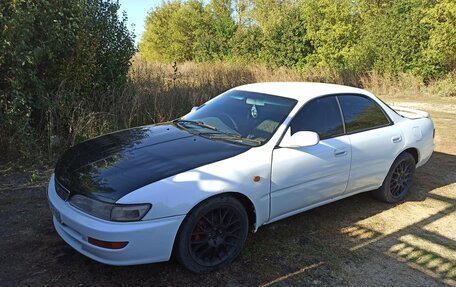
x=111, y=166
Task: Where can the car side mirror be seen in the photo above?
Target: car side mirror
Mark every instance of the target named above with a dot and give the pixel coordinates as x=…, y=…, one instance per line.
x=300, y=139
x=194, y=109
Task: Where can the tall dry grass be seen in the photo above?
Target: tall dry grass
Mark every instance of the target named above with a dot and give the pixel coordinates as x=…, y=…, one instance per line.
x=159, y=92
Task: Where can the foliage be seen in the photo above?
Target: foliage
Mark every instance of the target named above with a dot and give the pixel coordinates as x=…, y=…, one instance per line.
x=393, y=35
x=389, y=37
x=172, y=31
x=219, y=29
x=440, y=49
x=333, y=27
x=57, y=57
x=284, y=39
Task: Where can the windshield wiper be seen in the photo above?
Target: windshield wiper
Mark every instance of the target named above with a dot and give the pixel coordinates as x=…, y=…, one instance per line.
x=216, y=134
x=221, y=135
x=197, y=123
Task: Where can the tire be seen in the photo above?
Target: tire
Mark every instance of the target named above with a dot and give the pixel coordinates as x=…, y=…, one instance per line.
x=212, y=235
x=399, y=179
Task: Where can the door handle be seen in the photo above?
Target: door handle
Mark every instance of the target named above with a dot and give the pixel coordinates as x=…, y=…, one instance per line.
x=396, y=139
x=339, y=152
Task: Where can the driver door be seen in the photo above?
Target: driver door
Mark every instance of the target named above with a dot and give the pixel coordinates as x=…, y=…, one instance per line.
x=303, y=176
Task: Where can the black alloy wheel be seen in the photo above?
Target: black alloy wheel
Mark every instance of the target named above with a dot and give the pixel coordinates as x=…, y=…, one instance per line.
x=215, y=236
x=399, y=179
x=212, y=235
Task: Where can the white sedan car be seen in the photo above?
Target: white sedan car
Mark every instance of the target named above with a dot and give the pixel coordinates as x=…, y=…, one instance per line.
x=255, y=154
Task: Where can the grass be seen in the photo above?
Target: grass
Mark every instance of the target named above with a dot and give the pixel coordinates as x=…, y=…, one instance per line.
x=159, y=92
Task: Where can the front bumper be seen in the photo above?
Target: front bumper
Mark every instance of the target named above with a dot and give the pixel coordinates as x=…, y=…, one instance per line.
x=148, y=241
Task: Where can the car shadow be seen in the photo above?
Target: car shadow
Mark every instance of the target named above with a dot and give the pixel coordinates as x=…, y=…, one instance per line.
x=415, y=234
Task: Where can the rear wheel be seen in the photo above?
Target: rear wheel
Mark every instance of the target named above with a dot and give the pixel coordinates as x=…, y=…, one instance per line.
x=212, y=235
x=399, y=179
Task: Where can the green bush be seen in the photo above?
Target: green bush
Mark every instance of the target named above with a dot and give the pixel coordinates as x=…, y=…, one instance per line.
x=57, y=58
x=349, y=36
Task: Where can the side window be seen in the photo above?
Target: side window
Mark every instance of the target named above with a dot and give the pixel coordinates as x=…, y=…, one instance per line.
x=361, y=113
x=321, y=115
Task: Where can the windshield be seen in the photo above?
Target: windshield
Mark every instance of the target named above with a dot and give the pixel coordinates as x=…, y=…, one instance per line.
x=239, y=116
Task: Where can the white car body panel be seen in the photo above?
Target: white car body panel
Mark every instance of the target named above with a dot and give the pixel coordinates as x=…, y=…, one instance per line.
x=296, y=182
x=149, y=241
x=292, y=180
x=180, y=193
x=373, y=152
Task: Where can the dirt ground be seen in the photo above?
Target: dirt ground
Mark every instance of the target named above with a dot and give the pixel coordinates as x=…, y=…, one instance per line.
x=356, y=241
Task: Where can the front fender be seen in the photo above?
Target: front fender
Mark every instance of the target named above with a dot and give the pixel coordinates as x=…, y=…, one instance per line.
x=178, y=194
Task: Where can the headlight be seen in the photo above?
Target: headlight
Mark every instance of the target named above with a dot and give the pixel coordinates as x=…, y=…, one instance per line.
x=129, y=212
x=110, y=211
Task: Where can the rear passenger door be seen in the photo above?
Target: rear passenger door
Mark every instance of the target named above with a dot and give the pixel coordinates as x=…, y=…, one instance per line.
x=375, y=141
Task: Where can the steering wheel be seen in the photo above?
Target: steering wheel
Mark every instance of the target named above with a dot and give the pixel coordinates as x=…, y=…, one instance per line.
x=233, y=123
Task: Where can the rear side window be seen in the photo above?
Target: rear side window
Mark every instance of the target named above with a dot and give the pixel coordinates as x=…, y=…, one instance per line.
x=361, y=113
x=321, y=115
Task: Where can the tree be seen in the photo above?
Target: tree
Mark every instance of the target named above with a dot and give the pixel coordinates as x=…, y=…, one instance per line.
x=389, y=37
x=213, y=42
x=172, y=31
x=55, y=55
x=333, y=29
x=393, y=35
x=440, y=50
x=284, y=36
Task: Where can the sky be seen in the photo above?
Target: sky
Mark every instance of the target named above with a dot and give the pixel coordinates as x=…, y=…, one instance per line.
x=136, y=12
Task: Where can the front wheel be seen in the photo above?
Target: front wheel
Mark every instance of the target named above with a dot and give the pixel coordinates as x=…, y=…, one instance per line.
x=399, y=179
x=212, y=235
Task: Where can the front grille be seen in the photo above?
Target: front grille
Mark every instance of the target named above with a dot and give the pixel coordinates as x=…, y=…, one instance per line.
x=62, y=192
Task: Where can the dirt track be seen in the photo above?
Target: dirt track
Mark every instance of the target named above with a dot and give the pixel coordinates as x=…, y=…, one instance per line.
x=356, y=241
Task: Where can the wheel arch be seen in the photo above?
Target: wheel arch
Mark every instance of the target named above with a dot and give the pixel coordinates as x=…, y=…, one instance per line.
x=413, y=151
x=383, y=195
x=248, y=205
x=242, y=198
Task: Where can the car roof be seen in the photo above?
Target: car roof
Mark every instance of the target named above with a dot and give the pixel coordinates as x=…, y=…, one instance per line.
x=299, y=90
